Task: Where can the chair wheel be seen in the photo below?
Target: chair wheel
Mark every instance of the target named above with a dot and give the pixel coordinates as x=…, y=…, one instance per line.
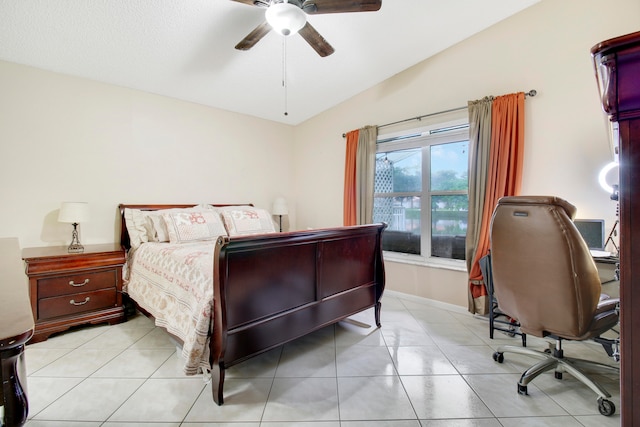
x=558, y=375
x=606, y=407
x=498, y=357
x=522, y=389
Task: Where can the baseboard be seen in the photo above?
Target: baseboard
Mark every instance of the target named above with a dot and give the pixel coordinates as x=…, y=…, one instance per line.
x=428, y=301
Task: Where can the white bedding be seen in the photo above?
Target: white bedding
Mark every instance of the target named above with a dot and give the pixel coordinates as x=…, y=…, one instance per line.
x=170, y=267
x=174, y=283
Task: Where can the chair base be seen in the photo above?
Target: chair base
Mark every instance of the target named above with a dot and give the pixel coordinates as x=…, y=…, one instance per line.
x=554, y=359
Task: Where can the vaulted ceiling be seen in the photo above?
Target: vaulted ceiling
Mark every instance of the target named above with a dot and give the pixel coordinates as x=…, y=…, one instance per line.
x=185, y=48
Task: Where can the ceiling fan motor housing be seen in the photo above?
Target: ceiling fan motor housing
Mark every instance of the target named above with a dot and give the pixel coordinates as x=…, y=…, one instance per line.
x=286, y=18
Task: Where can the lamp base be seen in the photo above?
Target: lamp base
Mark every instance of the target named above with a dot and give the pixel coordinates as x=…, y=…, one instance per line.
x=75, y=249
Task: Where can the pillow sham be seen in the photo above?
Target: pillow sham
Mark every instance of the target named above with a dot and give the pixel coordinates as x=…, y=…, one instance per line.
x=135, y=221
x=149, y=226
x=246, y=220
x=156, y=227
x=193, y=225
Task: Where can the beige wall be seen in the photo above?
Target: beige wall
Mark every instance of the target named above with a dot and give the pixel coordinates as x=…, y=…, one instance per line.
x=64, y=138
x=70, y=139
x=547, y=48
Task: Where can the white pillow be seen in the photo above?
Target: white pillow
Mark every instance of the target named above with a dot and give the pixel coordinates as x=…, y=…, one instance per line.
x=246, y=220
x=156, y=227
x=135, y=221
x=193, y=225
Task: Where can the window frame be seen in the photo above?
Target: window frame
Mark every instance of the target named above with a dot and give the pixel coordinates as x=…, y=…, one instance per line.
x=424, y=137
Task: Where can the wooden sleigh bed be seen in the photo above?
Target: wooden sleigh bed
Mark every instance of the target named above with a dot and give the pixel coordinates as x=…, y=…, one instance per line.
x=269, y=289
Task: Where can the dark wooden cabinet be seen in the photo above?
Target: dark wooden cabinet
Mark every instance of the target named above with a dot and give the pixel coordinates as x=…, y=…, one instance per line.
x=617, y=65
x=73, y=289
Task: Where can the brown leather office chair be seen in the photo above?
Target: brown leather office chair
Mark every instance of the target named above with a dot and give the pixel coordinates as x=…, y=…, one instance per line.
x=544, y=276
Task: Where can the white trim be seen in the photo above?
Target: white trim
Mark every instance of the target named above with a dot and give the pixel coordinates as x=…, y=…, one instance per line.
x=433, y=262
x=434, y=123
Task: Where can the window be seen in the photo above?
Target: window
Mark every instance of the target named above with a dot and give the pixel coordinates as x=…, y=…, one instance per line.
x=426, y=169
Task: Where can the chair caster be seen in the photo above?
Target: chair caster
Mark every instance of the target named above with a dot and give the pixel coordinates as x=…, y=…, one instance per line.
x=606, y=407
x=558, y=375
x=498, y=357
x=522, y=389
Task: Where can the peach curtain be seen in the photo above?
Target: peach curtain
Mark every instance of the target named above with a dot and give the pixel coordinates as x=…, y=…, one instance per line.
x=349, y=204
x=504, y=179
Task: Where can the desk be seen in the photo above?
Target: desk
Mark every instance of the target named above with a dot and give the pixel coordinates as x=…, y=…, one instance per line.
x=16, y=328
x=617, y=65
x=607, y=269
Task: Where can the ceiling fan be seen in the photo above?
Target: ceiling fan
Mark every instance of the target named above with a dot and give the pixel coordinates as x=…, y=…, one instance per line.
x=290, y=16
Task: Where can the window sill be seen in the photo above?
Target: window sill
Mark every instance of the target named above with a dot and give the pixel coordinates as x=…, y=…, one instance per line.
x=433, y=262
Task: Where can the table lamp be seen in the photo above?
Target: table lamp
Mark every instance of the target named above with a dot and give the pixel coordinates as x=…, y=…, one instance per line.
x=74, y=213
x=280, y=208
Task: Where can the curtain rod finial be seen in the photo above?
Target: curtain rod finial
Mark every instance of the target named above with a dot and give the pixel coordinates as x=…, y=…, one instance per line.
x=532, y=92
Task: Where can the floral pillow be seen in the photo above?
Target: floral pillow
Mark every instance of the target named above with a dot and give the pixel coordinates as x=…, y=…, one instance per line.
x=156, y=227
x=246, y=220
x=193, y=225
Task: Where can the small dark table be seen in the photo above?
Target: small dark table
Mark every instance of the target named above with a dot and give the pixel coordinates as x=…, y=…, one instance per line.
x=16, y=328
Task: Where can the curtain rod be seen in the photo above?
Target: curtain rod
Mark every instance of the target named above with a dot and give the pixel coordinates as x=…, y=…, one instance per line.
x=532, y=92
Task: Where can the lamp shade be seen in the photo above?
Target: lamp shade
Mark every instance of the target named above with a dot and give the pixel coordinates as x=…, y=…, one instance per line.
x=280, y=207
x=285, y=18
x=74, y=212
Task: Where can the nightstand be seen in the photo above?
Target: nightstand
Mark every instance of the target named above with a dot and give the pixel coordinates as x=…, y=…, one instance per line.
x=70, y=289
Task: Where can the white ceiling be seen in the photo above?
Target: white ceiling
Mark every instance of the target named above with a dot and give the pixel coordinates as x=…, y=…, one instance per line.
x=185, y=48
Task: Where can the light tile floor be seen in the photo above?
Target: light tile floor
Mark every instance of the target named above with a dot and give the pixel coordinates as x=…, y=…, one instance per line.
x=427, y=365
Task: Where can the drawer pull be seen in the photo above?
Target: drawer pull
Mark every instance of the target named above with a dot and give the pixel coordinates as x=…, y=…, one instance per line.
x=73, y=302
x=78, y=284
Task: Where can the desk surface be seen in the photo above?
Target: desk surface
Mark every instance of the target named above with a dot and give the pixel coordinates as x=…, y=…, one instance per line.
x=607, y=259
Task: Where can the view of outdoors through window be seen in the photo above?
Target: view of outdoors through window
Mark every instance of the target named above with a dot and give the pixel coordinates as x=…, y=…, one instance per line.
x=449, y=200
x=436, y=173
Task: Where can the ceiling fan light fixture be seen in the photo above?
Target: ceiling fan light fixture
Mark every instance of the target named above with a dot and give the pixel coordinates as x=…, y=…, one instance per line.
x=285, y=18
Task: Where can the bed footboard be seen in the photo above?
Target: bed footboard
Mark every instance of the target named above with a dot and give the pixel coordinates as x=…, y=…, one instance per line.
x=271, y=289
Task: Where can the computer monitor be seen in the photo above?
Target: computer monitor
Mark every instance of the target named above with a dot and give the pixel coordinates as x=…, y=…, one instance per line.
x=592, y=231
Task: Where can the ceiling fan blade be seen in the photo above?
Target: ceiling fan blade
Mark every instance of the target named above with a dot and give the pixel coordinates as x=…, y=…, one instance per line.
x=254, y=36
x=314, y=7
x=262, y=3
x=317, y=42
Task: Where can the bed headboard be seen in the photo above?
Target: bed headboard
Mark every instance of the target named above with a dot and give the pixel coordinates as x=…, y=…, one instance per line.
x=124, y=234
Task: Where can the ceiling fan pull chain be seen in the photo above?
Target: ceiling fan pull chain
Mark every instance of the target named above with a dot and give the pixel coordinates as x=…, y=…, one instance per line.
x=284, y=73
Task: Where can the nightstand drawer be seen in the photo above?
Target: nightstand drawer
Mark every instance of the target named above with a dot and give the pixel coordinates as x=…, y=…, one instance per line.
x=76, y=303
x=81, y=282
